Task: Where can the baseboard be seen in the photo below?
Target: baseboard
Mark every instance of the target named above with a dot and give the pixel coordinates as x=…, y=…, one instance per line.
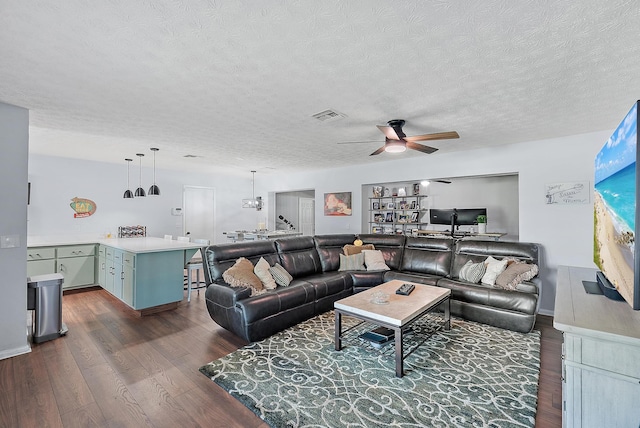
x=15, y=352
x=545, y=312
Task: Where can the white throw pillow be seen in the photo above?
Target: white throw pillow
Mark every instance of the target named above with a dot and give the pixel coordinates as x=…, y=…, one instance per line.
x=262, y=271
x=374, y=260
x=494, y=268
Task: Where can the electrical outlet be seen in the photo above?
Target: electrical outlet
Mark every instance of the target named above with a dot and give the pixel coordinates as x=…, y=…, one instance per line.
x=9, y=241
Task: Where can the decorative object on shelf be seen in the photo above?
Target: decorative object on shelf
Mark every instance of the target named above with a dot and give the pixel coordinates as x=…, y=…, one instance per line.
x=154, y=189
x=389, y=218
x=394, y=191
x=378, y=218
x=391, y=206
x=128, y=194
x=482, y=224
x=254, y=202
x=357, y=242
x=414, y=205
x=415, y=216
x=375, y=205
x=416, y=189
x=377, y=191
x=403, y=218
x=83, y=207
x=133, y=232
x=140, y=191
x=402, y=191
x=387, y=192
x=337, y=204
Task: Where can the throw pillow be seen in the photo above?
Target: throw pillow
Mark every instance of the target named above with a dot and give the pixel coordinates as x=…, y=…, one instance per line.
x=516, y=273
x=374, y=260
x=281, y=275
x=262, y=272
x=472, y=272
x=494, y=268
x=354, y=262
x=241, y=275
x=350, y=250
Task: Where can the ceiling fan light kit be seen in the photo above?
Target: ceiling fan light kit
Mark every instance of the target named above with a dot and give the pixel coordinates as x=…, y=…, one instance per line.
x=395, y=146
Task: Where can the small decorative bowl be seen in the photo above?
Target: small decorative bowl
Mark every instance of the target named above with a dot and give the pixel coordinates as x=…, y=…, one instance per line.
x=380, y=298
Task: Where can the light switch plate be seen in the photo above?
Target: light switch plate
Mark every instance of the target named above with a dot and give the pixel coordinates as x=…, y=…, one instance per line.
x=9, y=241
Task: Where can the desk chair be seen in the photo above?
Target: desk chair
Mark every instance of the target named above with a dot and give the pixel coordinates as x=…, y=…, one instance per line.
x=195, y=264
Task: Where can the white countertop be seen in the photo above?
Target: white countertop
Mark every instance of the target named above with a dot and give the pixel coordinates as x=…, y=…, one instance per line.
x=133, y=245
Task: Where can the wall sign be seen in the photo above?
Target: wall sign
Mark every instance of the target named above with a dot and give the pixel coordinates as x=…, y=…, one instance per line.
x=82, y=207
x=568, y=193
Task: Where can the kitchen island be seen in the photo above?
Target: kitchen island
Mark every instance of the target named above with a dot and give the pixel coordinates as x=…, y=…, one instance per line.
x=147, y=274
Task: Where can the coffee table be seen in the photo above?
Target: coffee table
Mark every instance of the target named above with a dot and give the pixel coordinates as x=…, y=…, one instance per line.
x=397, y=314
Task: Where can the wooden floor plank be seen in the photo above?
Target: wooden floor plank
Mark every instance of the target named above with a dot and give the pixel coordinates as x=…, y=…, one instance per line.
x=116, y=370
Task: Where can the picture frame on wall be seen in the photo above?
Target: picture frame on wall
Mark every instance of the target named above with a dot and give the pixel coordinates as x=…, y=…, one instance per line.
x=337, y=204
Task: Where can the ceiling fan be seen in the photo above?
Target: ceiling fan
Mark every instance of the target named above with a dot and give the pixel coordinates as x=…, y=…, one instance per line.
x=397, y=141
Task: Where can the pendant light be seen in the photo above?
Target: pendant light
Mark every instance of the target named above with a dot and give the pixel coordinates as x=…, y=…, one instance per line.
x=128, y=194
x=254, y=202
x=140, y=191
x=154, y=189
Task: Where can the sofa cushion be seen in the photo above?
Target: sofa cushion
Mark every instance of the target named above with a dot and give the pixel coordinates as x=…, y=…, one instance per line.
x=490, y=296
x=220, y=257
x=515, y=274
x=354, y=262
x=281, y=299
x=350, y=249
x=374, y=260
x=262, y=272
x=473, y=272
x=479, y=250
x=280, y=275
x=392, y=247
x=329, y=248
x=299, y=256
x=329, y=283
x=241, y=275
x=428, y=256
x=494, y=268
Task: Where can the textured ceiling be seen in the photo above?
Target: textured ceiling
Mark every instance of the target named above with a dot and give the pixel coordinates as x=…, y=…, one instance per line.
x=236, y=82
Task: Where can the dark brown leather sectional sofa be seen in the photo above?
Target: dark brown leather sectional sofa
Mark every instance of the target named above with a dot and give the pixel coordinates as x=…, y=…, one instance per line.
x=314, y=261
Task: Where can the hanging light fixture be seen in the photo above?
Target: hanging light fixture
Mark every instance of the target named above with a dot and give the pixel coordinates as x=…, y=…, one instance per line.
x=140, y=191
x=154, y=189
x=254, y=202
x=128, y=194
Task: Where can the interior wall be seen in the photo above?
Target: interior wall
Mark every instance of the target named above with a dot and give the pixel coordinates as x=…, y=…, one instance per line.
x=287, y=204
x=565, y=232
x=55, y=181
x=498, y=194
x=14, y=148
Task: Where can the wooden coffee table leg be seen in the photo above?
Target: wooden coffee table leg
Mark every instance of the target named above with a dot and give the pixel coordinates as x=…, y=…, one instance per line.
x=338, y=331
x=447, y=314
x=399, y=352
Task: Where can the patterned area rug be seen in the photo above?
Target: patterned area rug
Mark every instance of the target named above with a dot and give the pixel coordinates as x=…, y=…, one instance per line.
x=473, y=375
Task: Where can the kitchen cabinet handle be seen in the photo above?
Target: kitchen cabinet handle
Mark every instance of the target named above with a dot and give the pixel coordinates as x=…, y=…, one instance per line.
x=121, y=275
x=103, y=266
x=61, y=267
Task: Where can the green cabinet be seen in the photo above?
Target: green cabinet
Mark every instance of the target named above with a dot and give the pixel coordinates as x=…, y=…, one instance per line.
x=120, y=274
x=75, y=262
x=101, y=267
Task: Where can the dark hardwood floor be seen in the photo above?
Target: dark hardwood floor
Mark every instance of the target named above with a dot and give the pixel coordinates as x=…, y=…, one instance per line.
x=114, y=369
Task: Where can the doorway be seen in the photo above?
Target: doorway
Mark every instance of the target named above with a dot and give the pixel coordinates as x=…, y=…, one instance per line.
x=306, y=216
x=198, y=212
x=295, y=211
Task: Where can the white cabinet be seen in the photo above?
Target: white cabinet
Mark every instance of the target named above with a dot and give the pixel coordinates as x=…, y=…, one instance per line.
x=601, y=355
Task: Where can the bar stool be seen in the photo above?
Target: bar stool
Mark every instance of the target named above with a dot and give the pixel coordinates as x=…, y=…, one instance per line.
x=195, y=264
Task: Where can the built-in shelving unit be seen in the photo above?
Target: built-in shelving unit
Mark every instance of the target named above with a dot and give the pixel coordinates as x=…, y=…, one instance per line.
x=397, y=214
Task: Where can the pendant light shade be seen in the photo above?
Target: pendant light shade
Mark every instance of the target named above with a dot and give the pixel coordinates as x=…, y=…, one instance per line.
x=254, y=202
x=140, y=191
x=128, y=194
x=154, y=189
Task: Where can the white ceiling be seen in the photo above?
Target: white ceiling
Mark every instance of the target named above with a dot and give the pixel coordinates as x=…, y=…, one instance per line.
x=236, y=82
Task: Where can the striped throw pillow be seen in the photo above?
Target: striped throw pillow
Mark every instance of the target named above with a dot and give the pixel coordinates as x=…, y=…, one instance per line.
x=281, y=275
x=472, y=272
x=354, y=262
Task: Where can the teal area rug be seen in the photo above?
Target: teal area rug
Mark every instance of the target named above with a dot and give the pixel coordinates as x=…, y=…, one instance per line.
x=471, y=376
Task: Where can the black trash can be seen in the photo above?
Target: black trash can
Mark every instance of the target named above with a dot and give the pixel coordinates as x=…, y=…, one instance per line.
x=44, y=298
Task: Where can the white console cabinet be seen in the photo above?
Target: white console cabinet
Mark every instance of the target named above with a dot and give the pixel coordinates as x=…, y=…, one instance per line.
x=601, y=355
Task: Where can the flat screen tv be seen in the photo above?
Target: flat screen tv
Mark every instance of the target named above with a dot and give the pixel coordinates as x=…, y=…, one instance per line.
x=615, y=215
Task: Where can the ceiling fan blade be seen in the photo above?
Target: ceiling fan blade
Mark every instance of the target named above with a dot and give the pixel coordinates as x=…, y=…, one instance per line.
x=442, y=181
x=389, y=132
x=437, y=136
x=419, y=147
x=377, y=152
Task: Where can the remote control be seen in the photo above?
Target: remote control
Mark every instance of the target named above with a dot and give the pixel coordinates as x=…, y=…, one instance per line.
x=405, y=289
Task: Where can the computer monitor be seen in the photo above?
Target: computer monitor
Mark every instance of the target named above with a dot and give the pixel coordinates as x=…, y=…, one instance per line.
x=456, y=217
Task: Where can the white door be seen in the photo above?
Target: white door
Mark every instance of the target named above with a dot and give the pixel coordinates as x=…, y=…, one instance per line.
x=198, y=212
x=306, y=216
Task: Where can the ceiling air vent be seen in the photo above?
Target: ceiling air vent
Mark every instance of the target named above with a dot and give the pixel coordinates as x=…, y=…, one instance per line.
x=328, y=116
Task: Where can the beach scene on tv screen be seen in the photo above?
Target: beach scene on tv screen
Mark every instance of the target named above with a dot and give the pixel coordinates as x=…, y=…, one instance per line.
x=615, y=206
